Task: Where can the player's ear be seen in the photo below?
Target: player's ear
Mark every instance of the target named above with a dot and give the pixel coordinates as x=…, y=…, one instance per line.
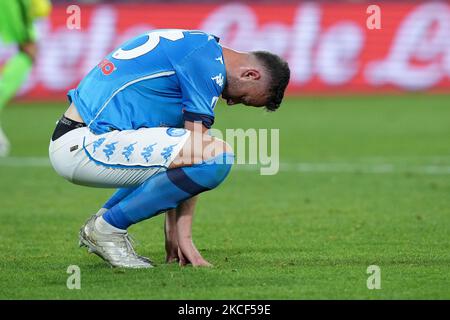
x=251, y=74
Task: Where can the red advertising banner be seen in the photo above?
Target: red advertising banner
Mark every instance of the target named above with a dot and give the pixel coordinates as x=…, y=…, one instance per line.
x=330, y=47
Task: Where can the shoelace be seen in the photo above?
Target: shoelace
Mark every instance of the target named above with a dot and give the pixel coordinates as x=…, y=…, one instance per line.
x=133, y=241
x=129, y=241
x=124, y=243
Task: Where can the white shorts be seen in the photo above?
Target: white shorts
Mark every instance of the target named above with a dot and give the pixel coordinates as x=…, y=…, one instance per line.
x=118, y=158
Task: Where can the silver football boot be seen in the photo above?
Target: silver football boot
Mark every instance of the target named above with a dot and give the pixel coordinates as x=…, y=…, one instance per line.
x=116, y=248
x=103, y=211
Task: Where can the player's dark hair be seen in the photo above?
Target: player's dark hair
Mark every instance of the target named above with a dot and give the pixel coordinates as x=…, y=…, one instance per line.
x=279, y=74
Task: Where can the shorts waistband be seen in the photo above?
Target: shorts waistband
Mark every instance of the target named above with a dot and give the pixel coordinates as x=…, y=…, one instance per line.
x=71, y=123
x=65, y=125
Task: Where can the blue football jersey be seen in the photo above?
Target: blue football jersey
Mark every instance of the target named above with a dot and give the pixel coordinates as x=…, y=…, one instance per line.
x=161, y=78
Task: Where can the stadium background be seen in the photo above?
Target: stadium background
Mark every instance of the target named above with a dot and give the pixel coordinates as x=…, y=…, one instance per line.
x=327, y=44
x=365, y=152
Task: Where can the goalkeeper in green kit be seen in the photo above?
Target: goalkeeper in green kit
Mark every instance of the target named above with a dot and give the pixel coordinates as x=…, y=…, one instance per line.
x=16, y=26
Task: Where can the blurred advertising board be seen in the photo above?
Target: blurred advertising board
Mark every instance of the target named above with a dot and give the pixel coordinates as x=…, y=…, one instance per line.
x=331, y=47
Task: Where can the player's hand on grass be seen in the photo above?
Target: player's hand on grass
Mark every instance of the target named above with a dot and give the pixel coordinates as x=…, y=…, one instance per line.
x=172, y=253
x=188, y=254
x=178, y=235
x=202, y=263
x=181, y=258
x=170, y=232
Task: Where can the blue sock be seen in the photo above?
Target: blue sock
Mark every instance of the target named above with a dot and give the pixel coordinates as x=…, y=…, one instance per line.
x=167, y=189
x=118, y=196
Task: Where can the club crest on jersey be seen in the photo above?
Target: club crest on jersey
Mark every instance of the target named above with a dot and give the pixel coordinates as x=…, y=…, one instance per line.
x=176, y=132
x=107, y=67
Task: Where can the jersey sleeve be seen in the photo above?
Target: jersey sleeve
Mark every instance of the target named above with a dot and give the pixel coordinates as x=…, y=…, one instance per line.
x=201, y=75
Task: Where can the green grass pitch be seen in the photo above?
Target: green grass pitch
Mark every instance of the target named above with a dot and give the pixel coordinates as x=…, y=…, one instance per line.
x=363, y=181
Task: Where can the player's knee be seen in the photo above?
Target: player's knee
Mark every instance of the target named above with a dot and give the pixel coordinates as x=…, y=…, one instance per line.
x=200, y=148
x=213, y=171
x=203, y=176
x=216, y=148
x=219, y=162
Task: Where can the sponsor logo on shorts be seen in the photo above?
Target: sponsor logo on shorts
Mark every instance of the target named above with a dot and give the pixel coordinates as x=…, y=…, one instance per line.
x=167, y=152
x=128, y=151
x=147, y=152
x=98, y=143
x=176, y=132
x=109, y=150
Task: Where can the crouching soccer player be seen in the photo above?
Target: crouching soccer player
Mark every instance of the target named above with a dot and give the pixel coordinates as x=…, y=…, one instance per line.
x=138, y=122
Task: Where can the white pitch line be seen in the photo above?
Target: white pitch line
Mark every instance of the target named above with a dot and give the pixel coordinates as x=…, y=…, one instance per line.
x=385, y=168
x=302, y=167
x=25, y=162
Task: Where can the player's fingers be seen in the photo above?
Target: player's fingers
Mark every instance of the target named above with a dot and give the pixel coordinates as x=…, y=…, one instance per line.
x=182, y=263
x=202, y=263
x=171, y=259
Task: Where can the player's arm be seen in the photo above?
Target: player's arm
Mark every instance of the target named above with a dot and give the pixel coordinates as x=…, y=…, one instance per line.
x=200, y=93
x=187, y=252
x=178, y=231
x=186, y=209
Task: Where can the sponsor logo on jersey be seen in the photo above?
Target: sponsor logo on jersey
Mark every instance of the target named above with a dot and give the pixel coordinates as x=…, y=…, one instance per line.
x=107, y=67
x=218, y=79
